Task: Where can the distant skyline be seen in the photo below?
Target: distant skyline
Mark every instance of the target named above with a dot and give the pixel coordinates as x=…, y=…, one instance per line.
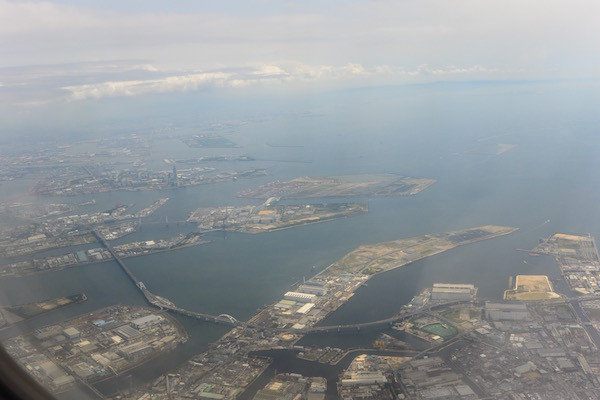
x=72, y=51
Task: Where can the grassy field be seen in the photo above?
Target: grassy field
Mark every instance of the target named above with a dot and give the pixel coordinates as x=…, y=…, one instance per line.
x=437, y=328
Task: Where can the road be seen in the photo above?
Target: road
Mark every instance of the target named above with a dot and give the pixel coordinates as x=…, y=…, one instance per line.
x=379, y=323
x=161, y=302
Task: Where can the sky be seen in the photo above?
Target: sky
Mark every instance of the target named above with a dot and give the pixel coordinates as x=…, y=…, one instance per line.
x=73, y=51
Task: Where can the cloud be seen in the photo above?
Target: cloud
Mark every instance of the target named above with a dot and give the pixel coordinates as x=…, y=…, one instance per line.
x=137, y=87
x=555, y=37
x=70, y=49
x=38, y=85
x=293, y=73
x=176, y=83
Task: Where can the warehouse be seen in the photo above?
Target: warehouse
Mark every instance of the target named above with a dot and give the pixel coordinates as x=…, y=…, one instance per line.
x=305, y=308
x=365, y=378
x=135, y=350
x=310, y=289
x=148, y=320
x=452, y=291
x=300, y=297
x=506, y=311
x=127, y=332
x=71, y=333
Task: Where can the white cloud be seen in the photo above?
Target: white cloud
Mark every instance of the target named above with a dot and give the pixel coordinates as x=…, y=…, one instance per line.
x=508, y=33
x=348, y=43
x=267, y=74
x=137, y=87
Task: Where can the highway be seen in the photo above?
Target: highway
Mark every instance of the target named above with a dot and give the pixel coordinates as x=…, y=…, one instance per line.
x=376, y=324
x=161, y=302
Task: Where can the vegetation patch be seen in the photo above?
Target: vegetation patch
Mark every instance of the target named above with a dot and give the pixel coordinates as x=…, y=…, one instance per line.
x=437, y=328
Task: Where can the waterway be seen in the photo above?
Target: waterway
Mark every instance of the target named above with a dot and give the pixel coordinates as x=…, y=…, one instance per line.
x=544, y=185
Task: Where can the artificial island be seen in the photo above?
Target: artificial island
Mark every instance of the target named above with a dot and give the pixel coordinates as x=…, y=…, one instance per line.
x=342, y=186
x=270, y=216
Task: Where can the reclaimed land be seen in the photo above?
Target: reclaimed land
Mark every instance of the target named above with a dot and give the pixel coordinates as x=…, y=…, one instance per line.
x=531, y=287
x=380, y=257
x=262, y=219
x=342, y=186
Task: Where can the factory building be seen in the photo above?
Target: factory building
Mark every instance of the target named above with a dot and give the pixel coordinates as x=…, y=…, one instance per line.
x=310, y=289
x=506, y=311
x=365, y=378
x=305, y=308
x=452, y=291
x=148, y=320
x=300, y=297
x=55, y=373
x=71, y=333
x=315, y=282
x=135, y=350
x=127, y=332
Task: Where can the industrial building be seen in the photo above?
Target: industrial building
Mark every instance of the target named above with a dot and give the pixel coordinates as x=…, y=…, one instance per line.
x=134, y=350
x=148, y=320
x=55, y=373
x=71, y=333
x=506, y=311
x=127, y=332
x=453, y=291
x=365, y=378
x=300, y=297
x=305, y=308
x=310, y=289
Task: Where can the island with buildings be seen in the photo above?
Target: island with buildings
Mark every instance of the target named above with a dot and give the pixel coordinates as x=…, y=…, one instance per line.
x=70, y=230
x=99, y=254
x=270, y=216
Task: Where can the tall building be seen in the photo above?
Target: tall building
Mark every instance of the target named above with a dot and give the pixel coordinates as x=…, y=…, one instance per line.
x=175, y=177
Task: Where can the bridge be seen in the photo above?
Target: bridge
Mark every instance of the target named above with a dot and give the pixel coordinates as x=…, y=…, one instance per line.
x=382, y=323
x=161, y=302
